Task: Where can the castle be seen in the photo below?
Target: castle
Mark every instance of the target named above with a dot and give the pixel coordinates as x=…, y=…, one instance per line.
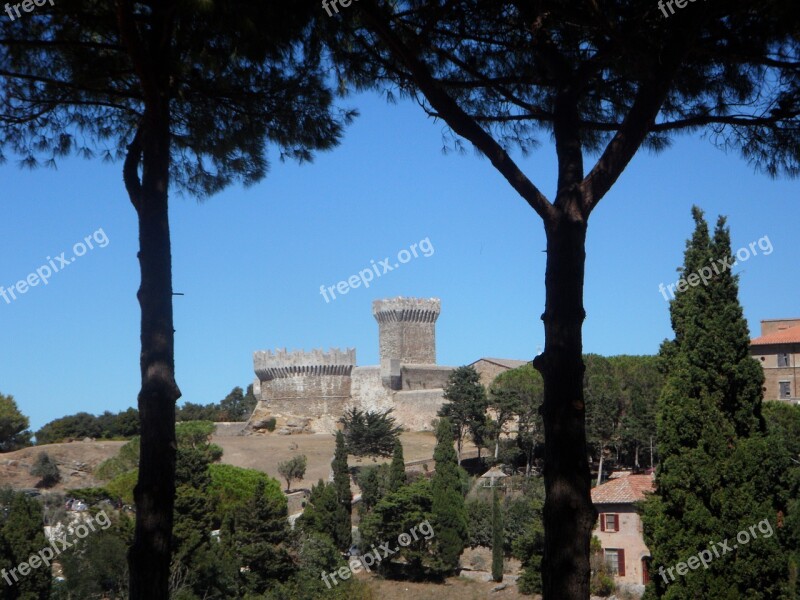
x=309, y=391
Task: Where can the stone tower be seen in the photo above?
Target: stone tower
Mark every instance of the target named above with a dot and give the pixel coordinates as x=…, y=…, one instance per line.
x=311, y=384
x=406, y=334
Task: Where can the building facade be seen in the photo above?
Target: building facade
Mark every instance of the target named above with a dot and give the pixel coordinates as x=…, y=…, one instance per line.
x=778, y=350
x=489, y=368
x=619, y=529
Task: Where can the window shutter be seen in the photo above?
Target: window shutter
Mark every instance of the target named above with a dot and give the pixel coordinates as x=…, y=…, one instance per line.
x=621, y=559
x=602, y=522
x=616, y=522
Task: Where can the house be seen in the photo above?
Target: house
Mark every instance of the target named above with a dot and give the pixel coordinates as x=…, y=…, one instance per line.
x=777, y=349
x=489, y=368
x=619, y=528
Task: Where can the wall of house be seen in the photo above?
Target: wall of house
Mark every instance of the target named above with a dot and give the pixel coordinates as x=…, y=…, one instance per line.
x=488, y=371
x=629, y=538
x=767, y=355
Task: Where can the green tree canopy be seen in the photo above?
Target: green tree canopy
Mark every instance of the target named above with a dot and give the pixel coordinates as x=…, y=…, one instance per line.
x=466, y=405
x=294, y=468
x=719, y=472
x=370, y=432
x=518, y=393
x=14, y=433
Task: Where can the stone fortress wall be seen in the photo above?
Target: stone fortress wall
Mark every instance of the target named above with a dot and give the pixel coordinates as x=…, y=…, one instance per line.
x=309, y=391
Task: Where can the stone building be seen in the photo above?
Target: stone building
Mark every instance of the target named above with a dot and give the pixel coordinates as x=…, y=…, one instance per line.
x=489, y=368
x=309, y=391
x=619, y=529
x=778, y=349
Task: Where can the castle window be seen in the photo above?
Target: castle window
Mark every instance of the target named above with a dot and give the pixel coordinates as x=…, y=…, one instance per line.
x=786, y=389
x=783, y=359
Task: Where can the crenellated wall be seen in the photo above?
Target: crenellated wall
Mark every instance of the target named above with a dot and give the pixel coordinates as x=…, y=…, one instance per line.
x=311, y=384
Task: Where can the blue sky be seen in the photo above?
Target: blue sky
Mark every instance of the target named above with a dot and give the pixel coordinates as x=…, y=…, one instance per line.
x=251, y=261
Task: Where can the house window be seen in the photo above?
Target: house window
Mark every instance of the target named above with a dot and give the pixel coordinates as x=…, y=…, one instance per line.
x=609, y=522
x=783, y=359
x=786, y=389
x=615, y=559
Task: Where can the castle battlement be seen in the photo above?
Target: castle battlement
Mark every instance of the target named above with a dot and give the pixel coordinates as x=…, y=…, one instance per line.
x=412, y=310
x=317, y=362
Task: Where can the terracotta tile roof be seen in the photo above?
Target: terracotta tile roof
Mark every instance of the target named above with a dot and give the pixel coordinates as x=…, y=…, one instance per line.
x=790, y=335
x=625, y=490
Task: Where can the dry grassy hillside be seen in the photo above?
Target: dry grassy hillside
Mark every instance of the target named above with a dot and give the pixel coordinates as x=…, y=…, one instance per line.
x=76, y=461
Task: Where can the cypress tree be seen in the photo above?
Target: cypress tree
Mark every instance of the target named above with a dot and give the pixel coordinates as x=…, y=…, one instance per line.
x=397, y=472
x=321, y=514
x=260, y=535
x=341, y=481
x=448, y=510
x=718, y=474
x=497, y=537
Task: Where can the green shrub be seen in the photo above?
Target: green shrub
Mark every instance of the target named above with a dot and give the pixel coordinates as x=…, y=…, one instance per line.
x=479, y=522
x=91, y=495
x=122, y=486
x=46, y=469
x=232, y=486
x=270, y=424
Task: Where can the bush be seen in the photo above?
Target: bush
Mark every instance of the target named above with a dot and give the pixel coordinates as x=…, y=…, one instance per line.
x=91, y=496
x=233, y=486
x=602, y=583
x=370, y=433
x=479, y=521
x=270, y=424
x=124, y=424
x=47, y=470
x=121, y=487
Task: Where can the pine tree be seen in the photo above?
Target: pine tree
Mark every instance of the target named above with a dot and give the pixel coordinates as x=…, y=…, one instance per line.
x=341, y=481
x=718, y=474
x=448, y=510
x=397, y=472
x=466, y=406
x=497, y=537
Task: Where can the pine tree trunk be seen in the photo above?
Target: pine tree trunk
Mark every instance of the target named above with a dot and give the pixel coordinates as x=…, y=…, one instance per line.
x=569, y=515
x=149, y=556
